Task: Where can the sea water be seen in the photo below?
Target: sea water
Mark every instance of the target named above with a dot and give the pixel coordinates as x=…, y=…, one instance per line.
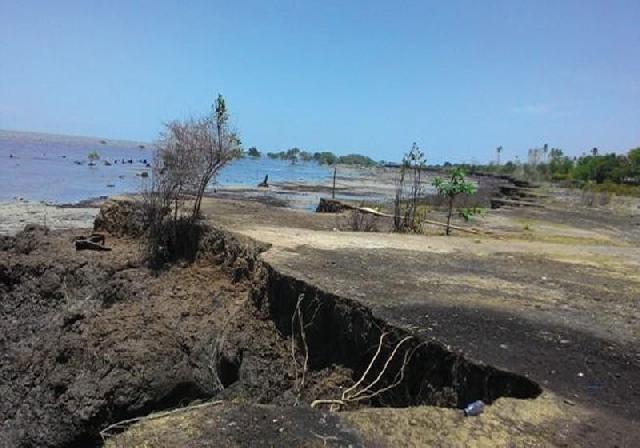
x=55, y=169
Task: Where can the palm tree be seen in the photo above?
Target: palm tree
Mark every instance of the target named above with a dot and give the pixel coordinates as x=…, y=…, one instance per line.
x=545, y=149
x=555, y=153
x=498, y=151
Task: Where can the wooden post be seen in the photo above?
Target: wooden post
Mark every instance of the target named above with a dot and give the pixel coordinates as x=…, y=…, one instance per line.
x=333, y=190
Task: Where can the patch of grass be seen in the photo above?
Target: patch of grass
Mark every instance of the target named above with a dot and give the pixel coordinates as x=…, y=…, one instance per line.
x=568, y=240
x=613, y=188
x=507, y=422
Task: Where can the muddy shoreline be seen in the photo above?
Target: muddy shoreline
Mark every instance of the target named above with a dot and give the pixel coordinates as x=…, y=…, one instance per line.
x=356, y=185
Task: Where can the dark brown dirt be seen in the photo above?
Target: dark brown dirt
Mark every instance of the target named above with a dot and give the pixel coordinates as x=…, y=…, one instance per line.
x=91, y=338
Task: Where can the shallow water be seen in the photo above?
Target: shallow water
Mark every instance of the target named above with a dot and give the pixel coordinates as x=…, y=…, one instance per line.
x=50, y=168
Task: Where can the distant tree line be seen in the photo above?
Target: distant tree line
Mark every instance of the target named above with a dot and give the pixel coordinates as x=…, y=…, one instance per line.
x=324, y=158
x=551, y=164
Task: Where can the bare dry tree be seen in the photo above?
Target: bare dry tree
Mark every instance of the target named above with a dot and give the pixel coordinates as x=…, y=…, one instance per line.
x=398, y=221
x=160, y=193
x=211, y=144
x=192, y=152
x=188, y=157
x=406, y=216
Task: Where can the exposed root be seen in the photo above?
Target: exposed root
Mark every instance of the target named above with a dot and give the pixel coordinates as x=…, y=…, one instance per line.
x=325, y=439
x=300, y=372
x=210, y=380
x=366, y=372
x=359, y=391
x=210, y=377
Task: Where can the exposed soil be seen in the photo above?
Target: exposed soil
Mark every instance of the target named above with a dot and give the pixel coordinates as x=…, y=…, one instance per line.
x=549, y=293
x=346, y=333
x=454, y=299
x=91, y=338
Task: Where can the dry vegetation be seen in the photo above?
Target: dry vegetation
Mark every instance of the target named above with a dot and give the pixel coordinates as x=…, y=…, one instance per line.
x=189, y=156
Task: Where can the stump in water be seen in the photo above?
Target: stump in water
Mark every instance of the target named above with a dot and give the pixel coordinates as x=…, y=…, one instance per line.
x=331, y=206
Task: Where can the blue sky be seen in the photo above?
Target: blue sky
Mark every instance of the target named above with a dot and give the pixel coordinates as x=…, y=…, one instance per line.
x=458, y=77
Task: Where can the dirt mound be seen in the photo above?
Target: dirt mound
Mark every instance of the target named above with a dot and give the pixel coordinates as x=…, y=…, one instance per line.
x=123, y=217
x=30, y=238
x=92, y=338
x=120, y=216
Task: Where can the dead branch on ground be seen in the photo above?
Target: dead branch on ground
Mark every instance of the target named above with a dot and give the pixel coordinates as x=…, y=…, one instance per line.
x=371, y=211
x=122, y=425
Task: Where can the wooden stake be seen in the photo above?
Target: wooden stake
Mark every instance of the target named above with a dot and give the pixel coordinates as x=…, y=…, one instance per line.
x=333, y=190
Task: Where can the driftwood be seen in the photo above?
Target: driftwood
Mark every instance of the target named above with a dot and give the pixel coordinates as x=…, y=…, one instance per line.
x=344, y=206
x=264, y=183
x=427, y=221
x=95, y=241
x=89, y=245
x=499, y=202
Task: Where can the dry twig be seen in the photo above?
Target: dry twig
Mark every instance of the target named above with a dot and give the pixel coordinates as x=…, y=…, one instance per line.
x=124, y=424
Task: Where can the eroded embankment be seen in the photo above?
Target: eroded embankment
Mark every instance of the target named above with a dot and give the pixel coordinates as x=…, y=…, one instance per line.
x=332, y=330
x=93, y=338
x=344, y=332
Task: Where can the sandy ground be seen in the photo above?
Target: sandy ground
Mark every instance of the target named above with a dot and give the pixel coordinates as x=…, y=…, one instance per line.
x=15, y=215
